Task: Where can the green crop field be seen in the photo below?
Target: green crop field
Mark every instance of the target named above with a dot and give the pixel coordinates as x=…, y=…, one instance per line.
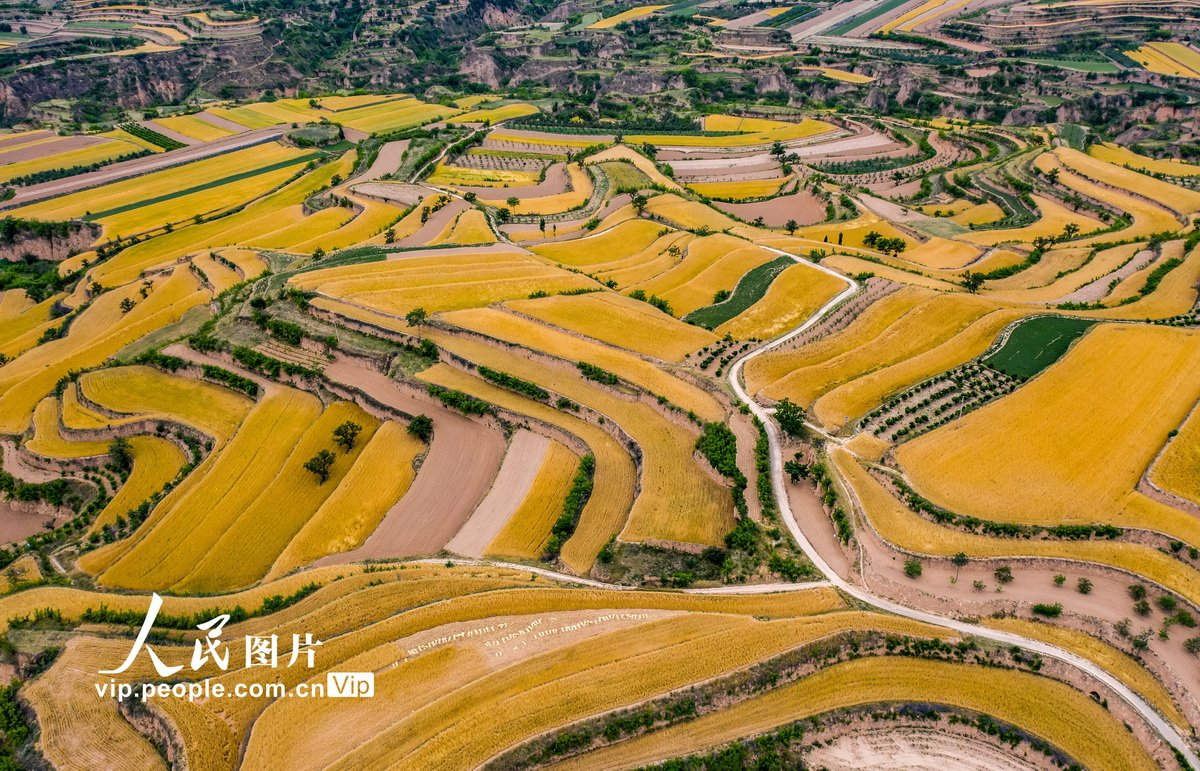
x=1035, y=344
x=749, y=290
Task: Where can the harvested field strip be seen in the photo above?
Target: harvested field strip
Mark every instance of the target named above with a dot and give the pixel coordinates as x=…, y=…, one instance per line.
x=187, y=524
x=1175, y=470
x=1108, y=414
x=620, y=321
x=526, y=533
x=749, y=290
x=156, y=461
x=48, y=441
x=99, y=332
x=1046, y=708
x=372, y=221
x=850, y=232
x=924, y=327
x=859, y=396
x=764, y=370
x=217, y=274
x=156, y=395
x=515, y=329
x=513, y=484
x=72, y=719
x=678, y=500
x=1035, y=344
x=245, y=551
x=457, y=176
x=622, y=240
x=96, y=152
x=792, y=297
x=615, y=476
x=644, y=265
x=377, y=479
x=1118, y=663
x=1176, y=294
x=581, y=191
x=21, y=331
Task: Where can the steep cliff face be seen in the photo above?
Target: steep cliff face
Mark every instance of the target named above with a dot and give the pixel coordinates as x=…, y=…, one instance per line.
x=142, y=81
x=20, y=240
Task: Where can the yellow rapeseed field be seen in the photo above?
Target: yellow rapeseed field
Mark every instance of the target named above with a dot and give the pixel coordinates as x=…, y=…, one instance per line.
x=1054, y=217
x=624, y=16
x=1176, y=469
x=495, y=114
x=100, y=331
x=689, y=215
x=1123, y=156
x=764, y=370
x=711, y=264
x=456, y=176
x=619, y=320
x=25, y=322
x=470, y=227
x=194, y=126
x=1054, y=711
x=678, y=501
x=525, y=534
x=740, y=190
x=99, y=152
x=48, y=440
x=1174, y=197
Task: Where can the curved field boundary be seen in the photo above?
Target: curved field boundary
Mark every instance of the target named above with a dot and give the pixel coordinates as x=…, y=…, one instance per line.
x=749, y=290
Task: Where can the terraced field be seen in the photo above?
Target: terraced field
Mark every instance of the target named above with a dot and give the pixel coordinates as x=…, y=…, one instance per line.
x=491, y=397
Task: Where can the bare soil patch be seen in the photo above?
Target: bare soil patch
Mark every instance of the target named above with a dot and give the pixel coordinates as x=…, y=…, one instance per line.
x=802, y=206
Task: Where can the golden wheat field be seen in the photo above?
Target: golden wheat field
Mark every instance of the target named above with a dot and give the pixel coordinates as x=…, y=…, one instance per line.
x=429, y=377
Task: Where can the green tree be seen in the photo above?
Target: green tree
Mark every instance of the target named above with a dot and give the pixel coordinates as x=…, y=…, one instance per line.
x=796, y=470
x=639, y=202
x=1004, y=574
x=1084, y=586
x=972, y=280
x=791, y=226
x=320, y=464
x=121, y=453
x=347, y=434
x=416, y=317
x=389, y=236
x=913, y=567
x=421, y=426
x=790, y=417
x=959, y=561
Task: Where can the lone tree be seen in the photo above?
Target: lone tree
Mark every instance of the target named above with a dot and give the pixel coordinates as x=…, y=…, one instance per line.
x=347, y=434
x=320, y=464
x=791, y=226
x=421, y=427
x=959, y=561
x=972, y=280
x=791, y=419
x=796, y=469
x=416, y=317
x=121, y=453
x=639, y=202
